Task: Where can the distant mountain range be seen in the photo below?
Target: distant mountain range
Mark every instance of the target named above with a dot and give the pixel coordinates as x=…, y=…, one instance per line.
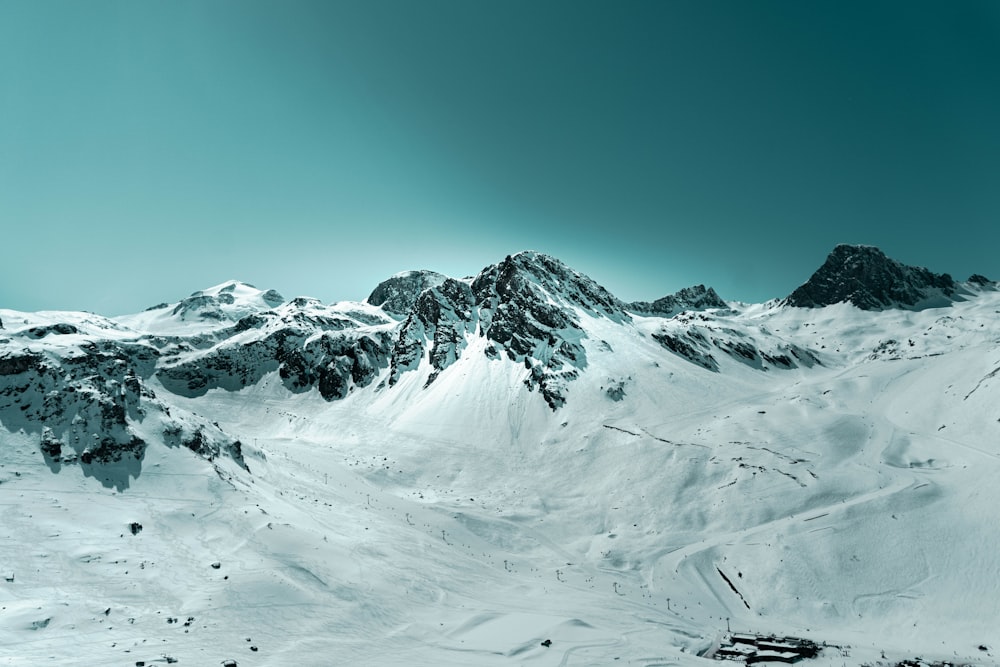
x=511, y=468
x=81, y=381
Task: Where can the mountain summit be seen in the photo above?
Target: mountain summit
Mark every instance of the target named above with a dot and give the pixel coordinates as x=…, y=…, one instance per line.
x=696, y=297
x=396, y=295
x=864, y=276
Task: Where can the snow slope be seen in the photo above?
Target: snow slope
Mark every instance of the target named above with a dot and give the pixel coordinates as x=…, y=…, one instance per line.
x=828, y=475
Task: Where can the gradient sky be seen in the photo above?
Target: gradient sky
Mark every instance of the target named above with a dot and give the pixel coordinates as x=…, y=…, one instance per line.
x=152, y=148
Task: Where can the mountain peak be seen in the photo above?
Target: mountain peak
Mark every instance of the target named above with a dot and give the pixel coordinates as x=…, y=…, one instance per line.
x=530, y=270
x=398, y=293
x=696, y=297
x=232, y=291
x=864, y=276
x=228, y=301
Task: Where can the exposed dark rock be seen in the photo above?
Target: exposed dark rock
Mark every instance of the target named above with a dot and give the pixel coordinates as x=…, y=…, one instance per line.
x=441, y=316
x=530, y=274
x=109, y=450
x=21, y=363
x=366, y=317
x=688, y=345
x=331, y=362
x=272, y=298
x=697, y=342
x=51, y=446
x=84, y=403
x=982, y=281
x=398, y=294
x=697, y=297
x=60, y=329
x=254, y=321
x=864, y=276
x=528, y=307
x=615, y=390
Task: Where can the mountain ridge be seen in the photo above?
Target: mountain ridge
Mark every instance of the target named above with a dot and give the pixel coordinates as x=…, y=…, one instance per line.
x=519, y=458
x=531, y=311
x=865, y=277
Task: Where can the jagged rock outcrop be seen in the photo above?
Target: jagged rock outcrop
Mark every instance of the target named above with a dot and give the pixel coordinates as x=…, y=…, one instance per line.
x=59, y=329
x=88, y=405
x=697, y=297
x=527, y=308
x=398, y=294
x=864, y=276
x=978, y=280
x=441, y=316
x=701, y=340
x=305, y=357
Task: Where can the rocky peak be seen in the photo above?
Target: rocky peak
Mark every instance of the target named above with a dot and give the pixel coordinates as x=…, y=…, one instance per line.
x=548, y=279
x=696, y=297
x=442, y=317
x=529, y=307
x=397, y=294
x=982, y=281
x=866, y=277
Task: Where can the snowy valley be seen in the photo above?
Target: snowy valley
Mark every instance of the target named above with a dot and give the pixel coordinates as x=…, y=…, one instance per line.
x=514, y=468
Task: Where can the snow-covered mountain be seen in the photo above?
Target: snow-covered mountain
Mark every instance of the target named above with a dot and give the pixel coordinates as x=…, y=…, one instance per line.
x=865, y=277
x=697, y=297
x=455, y=470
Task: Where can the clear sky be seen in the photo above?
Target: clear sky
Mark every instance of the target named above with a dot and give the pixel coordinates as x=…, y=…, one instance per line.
x=151, y=148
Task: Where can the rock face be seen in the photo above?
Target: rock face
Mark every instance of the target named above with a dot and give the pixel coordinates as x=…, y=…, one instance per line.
x=397, y=295
x=976, y=279
x=528, y=310
x=697, y=297
x=90, y=406
x=440, y=319
x=526, y=307
x=864, y=276
x=309, y=345
x=701, y=340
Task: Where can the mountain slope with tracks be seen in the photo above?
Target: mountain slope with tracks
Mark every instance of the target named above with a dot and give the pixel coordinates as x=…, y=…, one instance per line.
x=496, y=461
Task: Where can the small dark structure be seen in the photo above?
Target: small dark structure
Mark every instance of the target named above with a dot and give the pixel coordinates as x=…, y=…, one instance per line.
x=751, y=649
x=774, y=656
x=547, y=643
x=735, y=652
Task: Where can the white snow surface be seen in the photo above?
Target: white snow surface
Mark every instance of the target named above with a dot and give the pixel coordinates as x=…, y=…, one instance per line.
x=465, y=522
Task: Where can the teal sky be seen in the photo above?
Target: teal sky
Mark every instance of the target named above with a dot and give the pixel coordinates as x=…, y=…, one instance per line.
x=152, y=148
